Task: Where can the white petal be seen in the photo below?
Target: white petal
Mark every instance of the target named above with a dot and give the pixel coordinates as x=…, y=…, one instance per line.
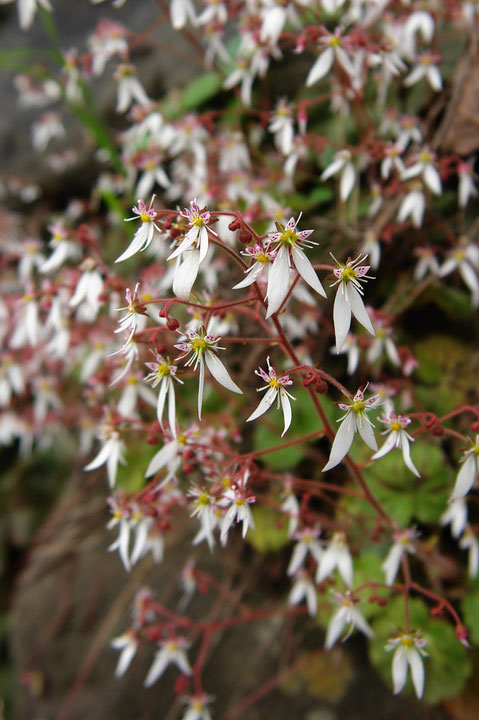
x=359, y=311
x=399, y=669
x=278, y=281
x=335, y=628
x=406, y=453
x=136, y=244
x=162, y=458
x=220, y=373
x=161, y=401
x=327, y=565
x=264, y=405
x=171, y=408
x=345, y=566
x=465, y=478
x=321, y=67
x=434, y=78
x=306, y=270
x=101, y=458
x=432, y=179
x=341, y=317
x=417, y=671
x=341, y=444
x=366, y=431
x=185, y=275
x=392, y=562
x=297, y=558
x=251, y=277
x=201, y=386
x=361, y=623
x=387, y=447
x=346, y=184
x=124, y=661
x=157, y=668
x=287, y=412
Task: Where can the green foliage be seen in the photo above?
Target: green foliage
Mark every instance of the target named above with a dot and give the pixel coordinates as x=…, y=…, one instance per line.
x=449, y=663
x=470, y=609
x=195, y=94
x=271, y=530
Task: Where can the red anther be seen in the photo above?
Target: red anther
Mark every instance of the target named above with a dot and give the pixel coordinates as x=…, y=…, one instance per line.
x=245, y=238
x=167, y=222
x=234, y=225
x=475, y=426
x=373, y=598
x=438, y=430
x=172, y=324
x=382, y=601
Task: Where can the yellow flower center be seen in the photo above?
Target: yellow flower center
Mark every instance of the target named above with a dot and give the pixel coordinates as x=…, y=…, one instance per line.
x=198, y=221
x=163, y=370
x=358, y=406
x=203, y=499
x=199, y=346
x=262, y=258
x=334, y=41
x=274, y=384
x=407, y=641
x=348, y=273
x=239, y=501
x=289, y=237
x=395, y=426
x=144, y=217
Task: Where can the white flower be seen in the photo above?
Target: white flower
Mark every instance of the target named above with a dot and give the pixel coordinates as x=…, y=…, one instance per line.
x=128, y=644
x=290, y=506
x=129, y=89
x=204, y=508
x=412, y=206
x=238, y=511
x=182, y=11
x=195, y=245
x=347, y=616
x=163, y=373
x=144, y=235
x=424, y=166
x=427, y=263
x=470, y=542
x=324, y=62
x=383, y=341
x=402, y=543
x=456, y=516
x=348, y=299
x=426, y=68
x=467, y=188
x=342, y=164
x=397, y=438
x=87, y=293
x=409, y=651
x=197, y=707
x=354, y=421
x=465, y=259
x=282, y=126
x=27, y=9
x=304, y=589
x=308, y=543
x=171, y=651
x=203, y=348
x=275, y=390
x=288, y=248
x=135, y=316
x=469, y=471
x=336, y=555
x=111, y=453
x=261, y=267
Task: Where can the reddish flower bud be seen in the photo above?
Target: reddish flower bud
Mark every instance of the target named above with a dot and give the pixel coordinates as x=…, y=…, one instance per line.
x=245, y=238
x=234, y=225
x=172, y=324
x=438, y=430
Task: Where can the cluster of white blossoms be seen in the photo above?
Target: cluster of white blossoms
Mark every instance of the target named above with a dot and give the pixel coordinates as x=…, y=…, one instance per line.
x=236, y=271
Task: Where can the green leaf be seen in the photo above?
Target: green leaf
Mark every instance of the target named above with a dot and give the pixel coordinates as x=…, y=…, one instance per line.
x=196, y=93
x=448, y=665
x=470, y=609
x=271, y=530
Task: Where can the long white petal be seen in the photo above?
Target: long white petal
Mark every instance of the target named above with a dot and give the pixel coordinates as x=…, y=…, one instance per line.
x=345, y=566
x=306, y=270
x=341, y=317
x=124, y=661
x=162, y=458
x=465, y=478
x=346, y=184
x=297, y=558
x=251, y=277
x=326, y=566
x=367, y=433
x=321, y=67
x=135, y=246
x=359, y=311
x=157, y=668
x=287, y=412
x=387, y=447
x=341, y=444
x=391, y=565
x=264, y=405
x=278, y=281
x=161, y=401
x=172, y=408
x=185, y=275
x=201, y=386
x=361, y=623
x=417, y=671
x=406, y=453
x=399, y=669
x=432, y=179
x=335, y=628
x=101, y=458
x=220, y=373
